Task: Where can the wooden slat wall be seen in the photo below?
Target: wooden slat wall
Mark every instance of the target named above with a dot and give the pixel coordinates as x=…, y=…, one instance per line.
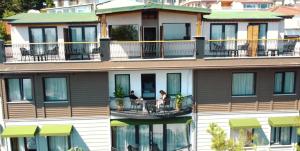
x=212, y=91
x=87, y=93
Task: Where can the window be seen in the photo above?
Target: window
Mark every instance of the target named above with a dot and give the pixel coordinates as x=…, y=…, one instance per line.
x=281, y=135
x=83, y=34
x=284, y=83
x=173, y=83
x=58, y=143
x=250, y=6
x=246, y=134
x=55, y=89
x=21, y=143
x=124, y=32
x=19, y=89
x=243, y=84
x=42, y=35
x=177, y=31
x=223, y=32
x=123, y=81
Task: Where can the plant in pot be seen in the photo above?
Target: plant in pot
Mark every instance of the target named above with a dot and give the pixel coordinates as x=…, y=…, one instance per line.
x=119, y=95
x=179, y=100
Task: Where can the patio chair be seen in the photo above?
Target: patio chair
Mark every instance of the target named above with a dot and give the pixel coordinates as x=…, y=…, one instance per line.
x=52, y=52
x=261, y=50
x=219, y=50
x=244, y=48
x=134, y=104
x=289, y=48
x=25, y=53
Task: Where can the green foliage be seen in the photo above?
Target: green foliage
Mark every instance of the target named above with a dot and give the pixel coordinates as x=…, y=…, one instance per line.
x=3, y=34
x=75, y=149
x=119, y=92
x=220, y=142
x=124, y=32
x=179, y=100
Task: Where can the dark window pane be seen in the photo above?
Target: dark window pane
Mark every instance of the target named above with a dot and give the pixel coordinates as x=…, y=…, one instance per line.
x=124, y=32
x=55, y=89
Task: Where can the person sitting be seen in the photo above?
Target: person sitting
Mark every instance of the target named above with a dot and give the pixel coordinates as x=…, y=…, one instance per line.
x=163, y=98
x=132, y=95
x=135, y=101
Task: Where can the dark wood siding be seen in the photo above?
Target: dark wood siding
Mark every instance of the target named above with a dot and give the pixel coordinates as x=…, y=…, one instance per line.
x=87, y=96
x=213, y=92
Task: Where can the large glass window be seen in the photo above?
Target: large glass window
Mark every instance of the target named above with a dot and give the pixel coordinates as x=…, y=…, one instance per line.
x=58, y=143
x=55, y=89
x=124, y=32
x=42, y=35
x=23, y=144
x=19, y=89
x=173, y=83
x=177, y=31
x=281, y=135
x=284, y=83
x=177, y=137
x=226, y=33
x=243, y=84
x=124, y=137
x=247, y=135
x=123, y=81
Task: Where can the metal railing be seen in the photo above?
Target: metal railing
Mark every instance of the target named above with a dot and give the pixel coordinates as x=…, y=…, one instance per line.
x=41, y=52
x=152, y=49
x=252, y=48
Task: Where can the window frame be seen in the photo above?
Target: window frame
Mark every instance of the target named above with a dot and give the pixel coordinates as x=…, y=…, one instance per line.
x=188, y=31
x=125, y=95
x=68, y=143
x=254, y=84
x=180, y=83
x=20, y=79
x=273, y=140
x=43, y=32
x=283, y=83
x=223, y=32
x=44, y=89
x=82, y=31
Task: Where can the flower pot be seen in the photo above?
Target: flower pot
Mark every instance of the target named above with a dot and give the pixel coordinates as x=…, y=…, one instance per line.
x=120, y=104
x=178, y=107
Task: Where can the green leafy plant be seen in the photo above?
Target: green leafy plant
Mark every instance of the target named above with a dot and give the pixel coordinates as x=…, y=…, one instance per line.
x=179, y=100
x=220, y=142
x=119, y=95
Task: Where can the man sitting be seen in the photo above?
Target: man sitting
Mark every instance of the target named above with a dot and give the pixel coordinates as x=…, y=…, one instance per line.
x=135, y=101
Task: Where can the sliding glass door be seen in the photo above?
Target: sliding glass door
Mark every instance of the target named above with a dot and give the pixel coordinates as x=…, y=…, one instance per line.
x=223, y=36
x=42, y=39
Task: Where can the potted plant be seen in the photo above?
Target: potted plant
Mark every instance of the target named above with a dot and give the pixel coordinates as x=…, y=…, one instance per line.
x=119, y=96
x=179, y=100
x=75, y=149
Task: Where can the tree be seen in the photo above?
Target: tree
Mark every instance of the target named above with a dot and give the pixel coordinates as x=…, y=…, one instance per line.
x=220, y=142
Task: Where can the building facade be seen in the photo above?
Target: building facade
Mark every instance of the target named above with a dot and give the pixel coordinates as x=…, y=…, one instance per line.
x=66, y=79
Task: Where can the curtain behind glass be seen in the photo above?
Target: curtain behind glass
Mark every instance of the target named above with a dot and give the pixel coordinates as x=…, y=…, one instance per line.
x=27, y=89
x=58, y=143
x=176, y=136
x=50, y=37
x=125, y=136
x=144, y=138
x=174, y=83
x=123, y=81
x=285, y=137
x=90, y=36
x=56, y=89
x=230, y=34
x=289, y=82
x=278, y=82
x=262, y=34
x=158, y=136
x=76, y=36
x=14, y=91
x=174, y=31
x=37, y=37
x=31, y=143
x=216, y=34
x=243, y=84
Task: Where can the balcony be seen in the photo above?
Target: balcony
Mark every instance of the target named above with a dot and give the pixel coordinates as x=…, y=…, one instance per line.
x=136, y=50
x=51, y=52
x=252, y=48
x=146, y=109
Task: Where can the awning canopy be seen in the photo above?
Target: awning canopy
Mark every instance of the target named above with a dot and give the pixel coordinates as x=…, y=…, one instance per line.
x=287, y=121
x=19, y=131
x=127, y=122
x=244, y=123
x=56, y=130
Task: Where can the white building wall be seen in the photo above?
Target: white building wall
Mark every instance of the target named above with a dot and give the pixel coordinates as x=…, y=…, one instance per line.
x=170, y=17
x=89, y=133
x=222, y=119
x=161, y=81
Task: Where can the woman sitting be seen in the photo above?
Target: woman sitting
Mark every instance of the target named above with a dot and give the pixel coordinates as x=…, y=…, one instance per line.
x=163, y=99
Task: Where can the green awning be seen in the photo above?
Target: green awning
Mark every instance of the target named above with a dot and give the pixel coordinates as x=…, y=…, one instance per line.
x=127, y=122
x=243, y=15
x=284, y=121
x=19, y=131
x=56, y=130
x=244, y=123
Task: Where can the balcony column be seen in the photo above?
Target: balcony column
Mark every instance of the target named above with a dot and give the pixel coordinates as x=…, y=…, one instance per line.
x=2, y=51
x=105, y=49
x=200, y=47
x=103, y=24
x=199, y=25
